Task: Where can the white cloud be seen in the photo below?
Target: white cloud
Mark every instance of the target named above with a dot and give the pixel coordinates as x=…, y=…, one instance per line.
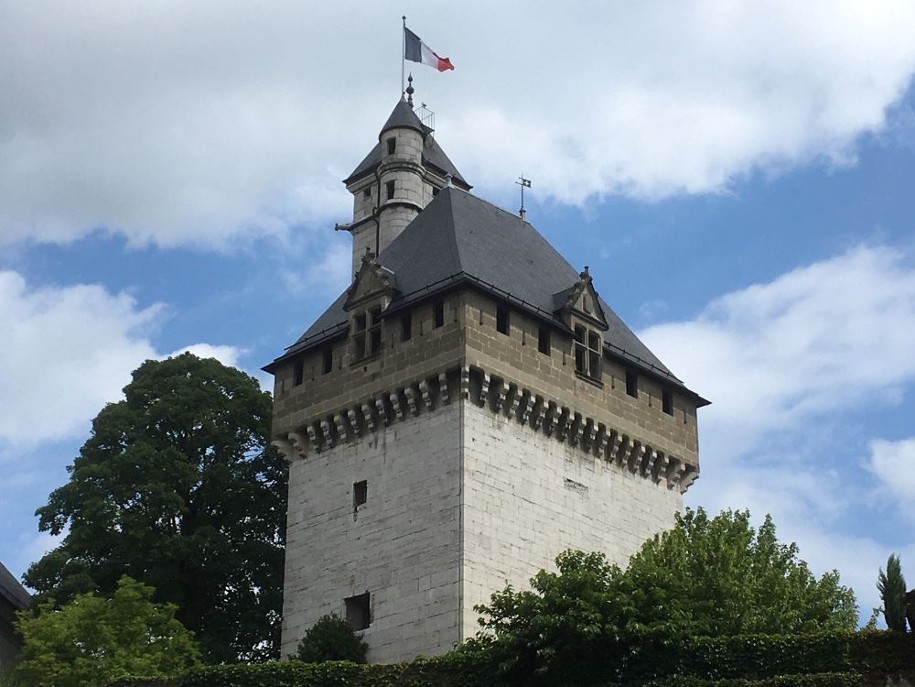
x=65, y=353
x=823, y=338
x=188, y=123
x=69, y=350
x=227, y=355
x=893, y=462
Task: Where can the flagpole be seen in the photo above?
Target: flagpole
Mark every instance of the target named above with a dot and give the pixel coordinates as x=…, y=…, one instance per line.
x=403, y=51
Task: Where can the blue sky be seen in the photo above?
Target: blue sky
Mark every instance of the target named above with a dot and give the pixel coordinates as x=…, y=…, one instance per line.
x=737, y=176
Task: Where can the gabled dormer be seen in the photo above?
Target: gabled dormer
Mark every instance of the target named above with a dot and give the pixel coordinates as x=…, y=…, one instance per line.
x=580, y=309
x=372, y=290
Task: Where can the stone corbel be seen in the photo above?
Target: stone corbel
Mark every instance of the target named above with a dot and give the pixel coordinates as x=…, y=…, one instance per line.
x=443, y=388
x=576, y=429
x=340, y=422
x=551, y=420
x=635, y=457
x=313, y=437
x=600, y=440
x=382, y=411
x=410, y=393
x=465, y=382
x=647, y=461
x=426, y=392
x=691, y=475
x=563, y=424
x=395, y=403
x=354, y=421
x=328, y=434
x=368, y=417
x=501, y=388
x=484, y=389
x=298, y=443
x=526, y=407
x=659, y=469
x=538, y=412
x=515, y=400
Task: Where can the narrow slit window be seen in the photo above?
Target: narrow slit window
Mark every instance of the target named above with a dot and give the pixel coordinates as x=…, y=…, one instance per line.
x=438, y=313
x=406, y=327
x=667, y=401
x=544, y=345
x=632, y=384
x=392, y=145
x=358, y=611
x=502, y=324
x=434, y=191
x=359, y=326
x=298, y=372
x=389, y=190
x=360, y=493
x=328, y=359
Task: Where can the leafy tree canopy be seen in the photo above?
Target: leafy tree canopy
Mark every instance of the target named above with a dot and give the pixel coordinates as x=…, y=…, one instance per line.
x=179, y=487
x=91, y=641
x=331, y=639
x=705, y=577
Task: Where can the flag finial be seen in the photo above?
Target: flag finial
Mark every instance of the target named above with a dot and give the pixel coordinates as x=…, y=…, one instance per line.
x=410, y=90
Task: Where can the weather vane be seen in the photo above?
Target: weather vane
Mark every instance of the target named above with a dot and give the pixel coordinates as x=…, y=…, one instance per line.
x=523, y=183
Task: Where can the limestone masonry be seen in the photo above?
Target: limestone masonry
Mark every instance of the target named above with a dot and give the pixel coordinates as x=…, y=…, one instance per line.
x=466, y=410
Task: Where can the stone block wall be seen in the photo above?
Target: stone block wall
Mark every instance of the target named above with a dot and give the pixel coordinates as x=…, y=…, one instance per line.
x=402, y=546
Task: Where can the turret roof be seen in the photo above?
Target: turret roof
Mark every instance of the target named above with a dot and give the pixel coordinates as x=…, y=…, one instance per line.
x=403, y=117
x=459, y=239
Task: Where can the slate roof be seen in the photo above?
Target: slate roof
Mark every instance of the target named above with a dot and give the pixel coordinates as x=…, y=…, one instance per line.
x=459, y=239
x=11, y=591
x=433, y=155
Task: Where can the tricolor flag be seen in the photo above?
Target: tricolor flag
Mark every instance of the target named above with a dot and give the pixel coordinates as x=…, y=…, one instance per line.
x=417, y=51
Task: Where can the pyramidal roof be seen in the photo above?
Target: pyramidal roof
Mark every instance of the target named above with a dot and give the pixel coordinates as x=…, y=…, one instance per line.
x=403, y=117
x=459, y=239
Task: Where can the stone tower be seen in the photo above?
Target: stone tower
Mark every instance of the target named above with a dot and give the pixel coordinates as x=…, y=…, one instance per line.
x=468, y=408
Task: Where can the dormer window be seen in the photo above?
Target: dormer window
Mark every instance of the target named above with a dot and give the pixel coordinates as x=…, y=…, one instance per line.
x=588, y=352
x=367, y=333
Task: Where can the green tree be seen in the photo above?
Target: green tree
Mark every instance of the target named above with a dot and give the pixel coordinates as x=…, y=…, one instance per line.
x=178, y=487
x=891, y=586
x=705, y=577
x=331, y=639
x=91, y=641
x=719, y=576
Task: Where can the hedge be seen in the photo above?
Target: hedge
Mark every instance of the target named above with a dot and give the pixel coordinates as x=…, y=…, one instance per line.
x=823, y=660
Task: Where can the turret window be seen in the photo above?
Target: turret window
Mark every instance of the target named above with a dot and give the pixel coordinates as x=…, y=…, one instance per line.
x=389, y=190
x=588, y=352
x=367, y=333
x=392, y=145
x=667, y=401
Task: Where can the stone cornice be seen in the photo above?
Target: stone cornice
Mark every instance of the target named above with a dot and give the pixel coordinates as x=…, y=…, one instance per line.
x=553, y=418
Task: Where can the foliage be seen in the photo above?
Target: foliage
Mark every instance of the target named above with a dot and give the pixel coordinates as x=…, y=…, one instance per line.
x=178, y=487
x=891, y=586
x=706, y=577
x=720, y=577
x=331, y=639
x=91, y=641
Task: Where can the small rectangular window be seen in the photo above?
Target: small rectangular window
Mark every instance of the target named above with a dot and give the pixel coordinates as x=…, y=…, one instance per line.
x=392, y=145
x=298, y=375
x=406, y=327
x=328, y=359
x=502, y=325
x=667, y=401
x=360, y=493
x=544, y=345
x=434, y=191
x=358, y=611
x=438, y=313
x=632, y=384
x=367, y=193
x=389, y=190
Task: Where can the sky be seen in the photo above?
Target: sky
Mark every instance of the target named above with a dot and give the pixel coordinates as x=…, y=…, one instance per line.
x=737, y=175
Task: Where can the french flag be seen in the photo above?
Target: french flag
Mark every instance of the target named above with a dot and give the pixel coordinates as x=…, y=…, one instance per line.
x=417, y=51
